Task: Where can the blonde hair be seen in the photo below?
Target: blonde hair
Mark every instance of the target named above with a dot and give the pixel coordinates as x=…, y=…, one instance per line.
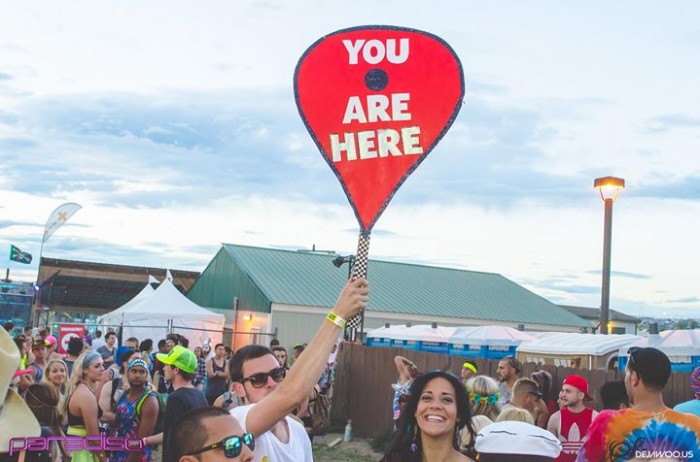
x=483, y=386
x=77, y=376
x=45, y=379
x=515, y=414
x=479, y=422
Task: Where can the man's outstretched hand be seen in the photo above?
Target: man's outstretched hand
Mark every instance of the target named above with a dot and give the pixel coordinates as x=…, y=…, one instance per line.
x=352, y=299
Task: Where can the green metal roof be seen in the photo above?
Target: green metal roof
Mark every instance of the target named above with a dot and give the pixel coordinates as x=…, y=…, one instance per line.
x=310, y=279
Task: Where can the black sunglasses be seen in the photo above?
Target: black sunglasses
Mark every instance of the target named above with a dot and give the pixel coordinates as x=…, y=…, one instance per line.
x=631, y=352
x=232, y=445
x=260, y=379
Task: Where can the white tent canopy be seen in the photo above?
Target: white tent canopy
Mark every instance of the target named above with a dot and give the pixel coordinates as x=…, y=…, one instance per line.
x=570, y=343
x=152, y=316
x=115, y=318
x=489, y=335
x=675, y=343
x=427, y=333
x=394, y=332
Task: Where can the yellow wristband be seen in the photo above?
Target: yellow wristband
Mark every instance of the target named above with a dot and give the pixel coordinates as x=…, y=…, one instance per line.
x=335, y=319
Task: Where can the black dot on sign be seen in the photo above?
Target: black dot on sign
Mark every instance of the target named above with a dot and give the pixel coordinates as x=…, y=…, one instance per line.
x=376, y=79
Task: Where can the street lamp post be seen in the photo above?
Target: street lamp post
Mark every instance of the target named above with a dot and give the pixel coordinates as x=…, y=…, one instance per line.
x=609, y=188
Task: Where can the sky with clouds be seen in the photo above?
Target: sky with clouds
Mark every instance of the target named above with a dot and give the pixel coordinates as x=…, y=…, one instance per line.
x=173, y=124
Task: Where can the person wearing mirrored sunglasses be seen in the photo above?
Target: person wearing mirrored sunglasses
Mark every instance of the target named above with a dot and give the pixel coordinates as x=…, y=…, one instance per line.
x=270, y=392
x=210, y=434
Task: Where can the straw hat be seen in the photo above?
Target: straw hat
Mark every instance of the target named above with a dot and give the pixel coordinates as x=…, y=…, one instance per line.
x=16, y=419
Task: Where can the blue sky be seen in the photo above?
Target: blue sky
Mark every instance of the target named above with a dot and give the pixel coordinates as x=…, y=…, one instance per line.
x=174, y=125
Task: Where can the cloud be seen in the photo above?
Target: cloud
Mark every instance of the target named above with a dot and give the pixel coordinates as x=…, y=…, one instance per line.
x=623, y=274
x=158, y=150
x=136, y=151
x=8, y=118
x=665, y=123
x=5, y=76
x=684, y=300
x=12, y=144
x=686, y=187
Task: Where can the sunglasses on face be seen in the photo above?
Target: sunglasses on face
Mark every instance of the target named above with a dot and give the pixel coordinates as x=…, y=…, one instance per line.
x=232, y=445
x=260, y=379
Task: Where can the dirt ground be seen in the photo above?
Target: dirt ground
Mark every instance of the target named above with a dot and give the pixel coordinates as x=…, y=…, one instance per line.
x=358, y=450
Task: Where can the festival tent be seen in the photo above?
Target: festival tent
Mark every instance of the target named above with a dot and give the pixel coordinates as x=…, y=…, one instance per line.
x=586, y=351
x=386, y=336
x=681, y=346
x=425, y=337
x=114, y=318
x=166, y=310
x=542, y=334
x=492, y=342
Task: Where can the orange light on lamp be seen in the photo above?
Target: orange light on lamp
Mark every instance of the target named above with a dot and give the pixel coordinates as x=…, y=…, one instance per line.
x=609, y=187
x=248, y=317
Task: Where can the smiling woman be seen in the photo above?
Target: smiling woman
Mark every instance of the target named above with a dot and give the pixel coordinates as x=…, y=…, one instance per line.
x=429, y=426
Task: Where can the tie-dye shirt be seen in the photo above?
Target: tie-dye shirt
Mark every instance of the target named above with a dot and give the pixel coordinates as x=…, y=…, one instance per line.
x=624, y=435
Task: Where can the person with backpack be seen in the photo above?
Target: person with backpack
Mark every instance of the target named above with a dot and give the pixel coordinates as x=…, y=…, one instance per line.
x=137, y=413
x=111, y=391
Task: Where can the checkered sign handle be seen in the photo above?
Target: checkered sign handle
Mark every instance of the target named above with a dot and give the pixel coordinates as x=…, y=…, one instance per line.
x=359, y=270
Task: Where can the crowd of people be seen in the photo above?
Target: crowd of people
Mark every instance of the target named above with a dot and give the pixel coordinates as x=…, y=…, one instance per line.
x=201, y=404
x=176, y=404
x=516, y=418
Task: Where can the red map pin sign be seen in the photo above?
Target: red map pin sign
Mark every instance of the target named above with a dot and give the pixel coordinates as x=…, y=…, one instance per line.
x=376, y=100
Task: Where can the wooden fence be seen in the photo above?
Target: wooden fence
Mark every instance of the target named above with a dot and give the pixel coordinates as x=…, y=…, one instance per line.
x=364, y=375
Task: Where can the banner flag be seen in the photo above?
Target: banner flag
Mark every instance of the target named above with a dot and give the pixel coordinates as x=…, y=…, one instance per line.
x=17, y=255
x=58, y=218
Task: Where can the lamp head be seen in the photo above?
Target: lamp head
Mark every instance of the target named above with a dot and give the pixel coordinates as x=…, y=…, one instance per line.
x=609, y=187
x=338, y=261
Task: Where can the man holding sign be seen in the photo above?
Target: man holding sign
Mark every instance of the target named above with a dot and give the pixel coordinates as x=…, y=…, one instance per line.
x=270, y=393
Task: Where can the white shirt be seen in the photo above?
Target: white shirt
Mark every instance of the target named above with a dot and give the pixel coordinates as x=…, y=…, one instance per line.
x=98, y=342
x=270, y=449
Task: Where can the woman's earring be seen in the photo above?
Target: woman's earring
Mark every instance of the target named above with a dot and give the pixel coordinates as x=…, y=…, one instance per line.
x=414, y=446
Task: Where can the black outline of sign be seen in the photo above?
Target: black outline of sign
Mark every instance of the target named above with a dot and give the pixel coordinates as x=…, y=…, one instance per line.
x=420, y=160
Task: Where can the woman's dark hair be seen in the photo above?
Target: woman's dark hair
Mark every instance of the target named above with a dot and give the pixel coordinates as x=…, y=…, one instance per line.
x=407, y=431
x=544, y=381
x=146, y=345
